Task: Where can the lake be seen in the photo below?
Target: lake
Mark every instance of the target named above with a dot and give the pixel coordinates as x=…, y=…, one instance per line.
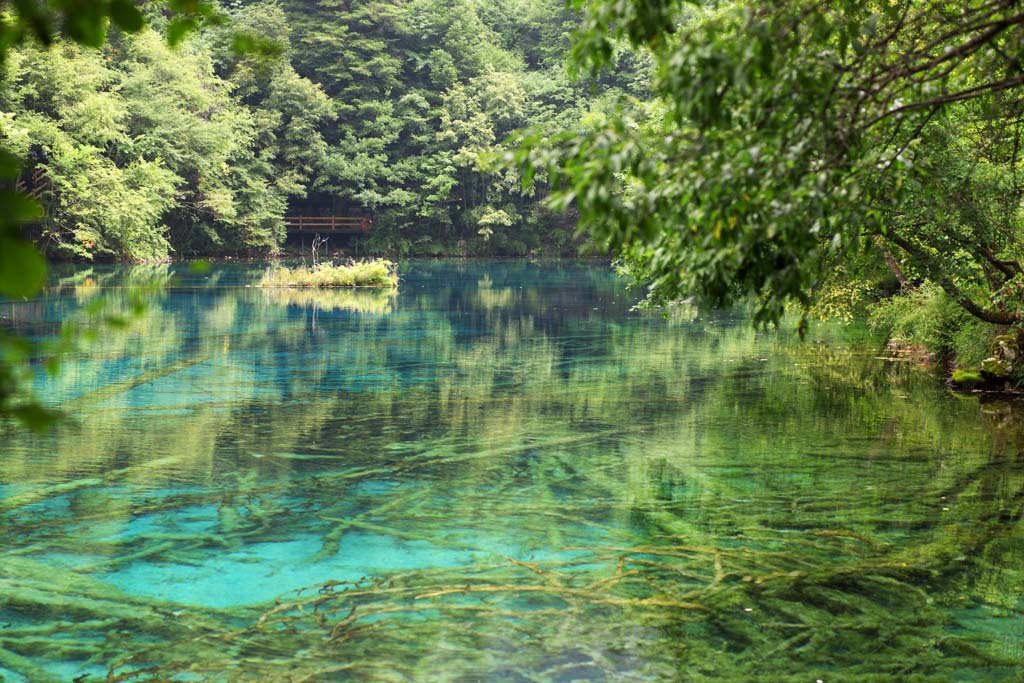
x=503, y=472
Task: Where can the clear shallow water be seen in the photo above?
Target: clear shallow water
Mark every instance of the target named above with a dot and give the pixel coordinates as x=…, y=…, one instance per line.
x=505, y=474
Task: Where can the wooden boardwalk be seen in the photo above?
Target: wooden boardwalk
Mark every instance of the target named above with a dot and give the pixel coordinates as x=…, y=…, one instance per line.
x=328, y=225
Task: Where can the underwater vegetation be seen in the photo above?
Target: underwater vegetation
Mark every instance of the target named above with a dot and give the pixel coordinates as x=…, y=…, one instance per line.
x=492, y=480
x=670, y=602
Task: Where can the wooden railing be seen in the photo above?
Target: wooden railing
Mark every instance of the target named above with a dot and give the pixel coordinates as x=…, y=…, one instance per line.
x=328, y=224
x=39, y=184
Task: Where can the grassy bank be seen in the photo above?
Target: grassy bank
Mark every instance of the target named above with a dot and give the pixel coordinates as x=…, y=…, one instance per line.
x=926, y=318
x=378, y=273
x=976, y=355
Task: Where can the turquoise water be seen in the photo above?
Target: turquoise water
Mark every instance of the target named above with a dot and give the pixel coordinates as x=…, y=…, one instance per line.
x=502, y=472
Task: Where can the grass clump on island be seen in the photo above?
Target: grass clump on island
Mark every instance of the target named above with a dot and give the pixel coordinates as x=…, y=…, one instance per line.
x=379, y=273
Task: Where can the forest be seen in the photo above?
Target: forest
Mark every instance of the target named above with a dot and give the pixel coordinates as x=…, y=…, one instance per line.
x=384, y=109
x=737, y=172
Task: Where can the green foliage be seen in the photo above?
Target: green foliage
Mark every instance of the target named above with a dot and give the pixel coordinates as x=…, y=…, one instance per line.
x=842, y=297
x=377, y=107
x=152, y=150
x=783, y=135
x=22, y=273
x=373, y=273
x=928, y=318
x=87, y=23
x=426, y=92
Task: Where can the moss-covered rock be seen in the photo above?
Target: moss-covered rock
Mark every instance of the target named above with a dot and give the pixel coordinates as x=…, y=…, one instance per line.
x=965, y=379
x=1002, y=364
x=999, y=373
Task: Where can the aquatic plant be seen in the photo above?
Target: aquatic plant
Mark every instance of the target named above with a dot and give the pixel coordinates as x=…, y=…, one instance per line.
x=373, y=273
x=765, y=604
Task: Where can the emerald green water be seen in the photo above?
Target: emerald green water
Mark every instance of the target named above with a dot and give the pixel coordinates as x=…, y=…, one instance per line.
x=501, y=473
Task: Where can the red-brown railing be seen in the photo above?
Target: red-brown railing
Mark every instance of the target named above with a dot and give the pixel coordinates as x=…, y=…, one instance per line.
x=328, y=224
x=38, y=184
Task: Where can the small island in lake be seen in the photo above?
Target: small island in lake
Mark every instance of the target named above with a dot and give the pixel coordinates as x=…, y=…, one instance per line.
x=378, y=273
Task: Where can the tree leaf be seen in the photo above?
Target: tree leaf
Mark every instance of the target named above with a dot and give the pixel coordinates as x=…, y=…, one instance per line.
x=35, y=416
x=10, y=165
x=19, y=208
x=126, y=15
x=22, y=268
x=178, y=29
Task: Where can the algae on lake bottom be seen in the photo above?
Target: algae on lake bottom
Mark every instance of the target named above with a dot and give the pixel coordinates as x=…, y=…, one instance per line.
x=490, y=479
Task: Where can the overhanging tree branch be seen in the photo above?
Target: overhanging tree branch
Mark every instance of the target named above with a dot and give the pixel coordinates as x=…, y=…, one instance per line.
x=989, y=315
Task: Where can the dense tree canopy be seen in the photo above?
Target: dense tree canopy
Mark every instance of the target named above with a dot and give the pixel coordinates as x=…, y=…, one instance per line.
x=783, y=135
x=423, y=90
x=380, y=108
x=148, y=146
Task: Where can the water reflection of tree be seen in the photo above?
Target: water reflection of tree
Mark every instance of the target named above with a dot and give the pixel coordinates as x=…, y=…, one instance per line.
x=704, y=471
